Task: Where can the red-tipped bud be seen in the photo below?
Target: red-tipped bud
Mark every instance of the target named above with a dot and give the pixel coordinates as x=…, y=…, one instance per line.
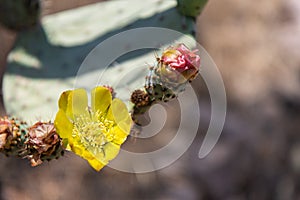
x=179, y=64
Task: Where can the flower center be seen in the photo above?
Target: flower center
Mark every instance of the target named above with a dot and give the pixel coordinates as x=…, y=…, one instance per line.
x=93, y=130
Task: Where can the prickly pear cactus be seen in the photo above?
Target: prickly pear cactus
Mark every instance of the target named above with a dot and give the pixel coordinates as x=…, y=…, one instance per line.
x=46, y=60
x=191, y=8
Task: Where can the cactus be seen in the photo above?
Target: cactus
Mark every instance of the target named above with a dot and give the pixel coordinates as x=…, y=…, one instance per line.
x=45, y=62
x=191, y=8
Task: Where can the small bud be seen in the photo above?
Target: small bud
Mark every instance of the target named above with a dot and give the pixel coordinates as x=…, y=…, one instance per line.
x=111, y=89
x=140, y=98
x=178, y=64
x=174, y=69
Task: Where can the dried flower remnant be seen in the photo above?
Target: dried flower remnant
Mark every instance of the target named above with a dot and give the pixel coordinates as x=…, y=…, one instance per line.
x=37, y=143
x=12, y=136
x=44, y=142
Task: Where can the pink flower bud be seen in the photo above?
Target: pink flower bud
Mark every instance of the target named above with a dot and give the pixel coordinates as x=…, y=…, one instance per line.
x=181, y=60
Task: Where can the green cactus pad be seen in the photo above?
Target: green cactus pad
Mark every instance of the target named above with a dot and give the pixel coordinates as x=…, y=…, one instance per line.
x=191, y=8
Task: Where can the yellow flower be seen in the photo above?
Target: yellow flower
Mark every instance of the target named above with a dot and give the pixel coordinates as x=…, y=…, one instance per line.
x=95, y=133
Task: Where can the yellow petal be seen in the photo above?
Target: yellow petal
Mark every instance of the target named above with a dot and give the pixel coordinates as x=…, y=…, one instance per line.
x=97, y=165
x=68, y=143
x=63, y=100
x=77, y=103
x=62, y=124
x=101, y=99
x=119, y=135
x=119, y=114
x=73, y=102
x=78, y=149
x=110, y=151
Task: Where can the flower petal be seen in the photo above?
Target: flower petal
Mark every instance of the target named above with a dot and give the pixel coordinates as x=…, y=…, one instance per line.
x=110, y=151
x=77, y=103
x=78, y=149
x=62, y=124
x=101, y=99
x=119, y=114
x=73, y=102
x=63, y=100
x=97, y=165
x=119, y=135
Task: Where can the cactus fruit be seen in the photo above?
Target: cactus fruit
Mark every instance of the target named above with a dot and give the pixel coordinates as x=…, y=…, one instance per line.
x=191, y=8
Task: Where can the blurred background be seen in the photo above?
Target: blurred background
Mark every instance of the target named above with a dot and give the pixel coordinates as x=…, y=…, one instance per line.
x=256, y=47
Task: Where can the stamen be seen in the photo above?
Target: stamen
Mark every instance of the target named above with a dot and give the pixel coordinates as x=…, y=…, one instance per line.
x=93, y=131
